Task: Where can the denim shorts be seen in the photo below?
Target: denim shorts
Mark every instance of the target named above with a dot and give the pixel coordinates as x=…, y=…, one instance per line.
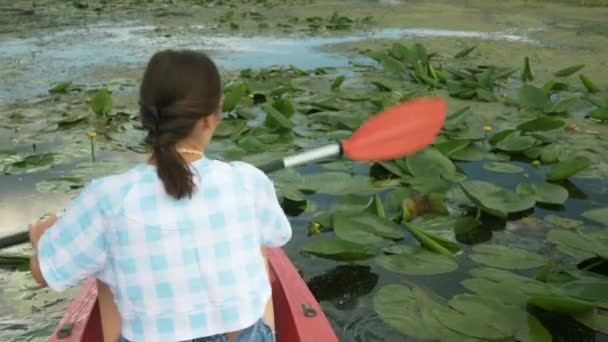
x=259, y=332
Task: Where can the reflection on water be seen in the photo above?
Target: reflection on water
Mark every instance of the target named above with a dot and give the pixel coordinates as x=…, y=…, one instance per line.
x=34, y=63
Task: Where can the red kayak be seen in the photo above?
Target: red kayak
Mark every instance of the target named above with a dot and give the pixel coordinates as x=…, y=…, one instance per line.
x=298, y=315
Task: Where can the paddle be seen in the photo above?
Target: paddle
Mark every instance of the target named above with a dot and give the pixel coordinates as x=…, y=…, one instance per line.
x=394, y=133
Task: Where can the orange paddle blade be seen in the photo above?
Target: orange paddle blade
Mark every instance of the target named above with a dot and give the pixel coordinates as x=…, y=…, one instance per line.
x=399, y=131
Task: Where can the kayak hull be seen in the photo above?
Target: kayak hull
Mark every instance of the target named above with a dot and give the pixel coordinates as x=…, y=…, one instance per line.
x=299, y=317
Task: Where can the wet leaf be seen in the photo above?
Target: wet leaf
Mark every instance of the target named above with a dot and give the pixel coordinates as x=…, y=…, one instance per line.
x=577, y=244
x=563, y=304
x=335, y=85
x=561, y=106
x=544, y=192
x=596, y=319
x=101, y=102
x=516, y=142
x=569, y=70
x=71, y=120
x=469, y=153
x=567, y=168
x=593, y=289
x=337, y=183
x=276, y=118
x=409, y=310
x=15, y=164
x=599, y=215
x=503, y=167
x=431, y=163
x=416, y=261
x=365, y=228
x=527, y=74
x=466, y=51
x=599, y=113
x=338, y=250
x=541, y=124
x=233, y=96
x=506, y=257
x=532, y=97
x=448, y=148
x=433, y=242
x=589, y=85
x=61, y=88
x=563, y=222
x=62, y=185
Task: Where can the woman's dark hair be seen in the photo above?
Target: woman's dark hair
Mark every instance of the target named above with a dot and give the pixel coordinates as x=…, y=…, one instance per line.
x=177, y=90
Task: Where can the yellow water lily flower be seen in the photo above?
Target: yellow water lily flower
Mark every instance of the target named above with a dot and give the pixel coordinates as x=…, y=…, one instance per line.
x=487, y=128
x=315, y=228
x=252, y=95
x=92, y=134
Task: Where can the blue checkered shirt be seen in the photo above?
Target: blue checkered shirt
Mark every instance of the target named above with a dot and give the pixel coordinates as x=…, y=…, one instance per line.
x=179, y=269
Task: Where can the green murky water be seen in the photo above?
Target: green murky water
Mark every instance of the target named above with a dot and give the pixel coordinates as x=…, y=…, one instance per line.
x=54, y=44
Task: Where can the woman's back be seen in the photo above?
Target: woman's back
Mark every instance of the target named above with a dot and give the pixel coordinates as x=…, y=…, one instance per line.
x=179, y=269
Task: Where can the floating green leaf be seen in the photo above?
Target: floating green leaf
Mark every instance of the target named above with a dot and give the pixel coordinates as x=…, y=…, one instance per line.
x=337, y=183
x=15, y=164
x=506, y=257
x=599, y=215
x=61, y=87
x=495, y=200
x=416, y=261
x=569, y=70
x=63, y=184
x=599, y=113
x=561, y=304
x=466, y=51
x=544, y=192
x=589, y=85
x=101, y=102
x=527, y=74
x=431, y=163
x=567, y=168
x=578, y=244
x=449, y=147
x=532, y=97
x=276, y=118
x=409, y=310
x=596, y=319
x=233, y=96
x=365, y=228
x=561, y=106
x=541, y=124
x=338, y=250
x=563, y=222
x=503, y=167
x=516, y=142
x=432, y=242
x=335, y=85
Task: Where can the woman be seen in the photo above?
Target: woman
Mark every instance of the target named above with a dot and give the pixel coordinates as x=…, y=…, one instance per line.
x=177, y=240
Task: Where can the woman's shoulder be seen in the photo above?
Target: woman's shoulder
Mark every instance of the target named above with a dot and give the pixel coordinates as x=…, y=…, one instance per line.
x=242, y=169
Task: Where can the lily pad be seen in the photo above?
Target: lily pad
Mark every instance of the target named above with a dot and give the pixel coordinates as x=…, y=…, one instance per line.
x=431, y=163
x=233, y=96
x=63, y=185
x=516, y=142
x=532, y=97
x=503, y=167
x=61, y=87
x=338, y=250
x=365, y=228
x=416, y=261
x=409, y=310
x=506, y=257
x=596, y=319
x=495, y=200
x=544, y=192
x=541, y=124
x=567, y=168
x=276, y=118
x=563, y=222
x=569, y=70
x=337, y=183
x=599, y=113
x=599, y=215
x=16, y=164
x=101, y=102
x=578, y=244
x=563, y=304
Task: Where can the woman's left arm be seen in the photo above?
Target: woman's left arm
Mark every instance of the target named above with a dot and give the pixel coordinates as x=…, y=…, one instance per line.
x=36, y=230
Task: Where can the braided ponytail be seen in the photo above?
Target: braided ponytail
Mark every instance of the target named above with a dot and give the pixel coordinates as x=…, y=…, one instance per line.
x=178, y=89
